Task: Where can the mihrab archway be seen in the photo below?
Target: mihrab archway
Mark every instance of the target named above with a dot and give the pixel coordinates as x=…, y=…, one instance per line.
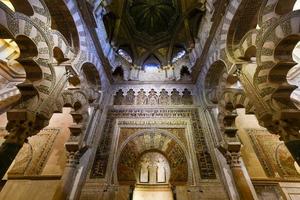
x=154, y=140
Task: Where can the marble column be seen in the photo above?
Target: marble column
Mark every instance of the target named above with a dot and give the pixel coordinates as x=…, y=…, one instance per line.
x=240, y=180
x=69, y=174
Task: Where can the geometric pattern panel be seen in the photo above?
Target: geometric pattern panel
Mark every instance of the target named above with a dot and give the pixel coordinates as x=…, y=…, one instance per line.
x=273, y=154
x=33, y=156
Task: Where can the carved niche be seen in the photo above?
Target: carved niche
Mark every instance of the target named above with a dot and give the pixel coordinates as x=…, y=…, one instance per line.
x=164, y=97
x=130, y=97
x=202, y=153
x=141, y=98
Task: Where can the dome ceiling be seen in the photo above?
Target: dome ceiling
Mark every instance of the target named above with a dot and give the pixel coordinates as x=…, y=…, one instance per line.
x=163, y=30
x=153, y=17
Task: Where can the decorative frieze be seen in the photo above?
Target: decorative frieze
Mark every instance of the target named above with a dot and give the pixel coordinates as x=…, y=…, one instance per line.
x=153, y=97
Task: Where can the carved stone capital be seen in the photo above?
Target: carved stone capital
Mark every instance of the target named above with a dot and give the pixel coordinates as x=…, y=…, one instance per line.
x=73, y=158
x=231, y=152
x=233, y=159
x=21, y=125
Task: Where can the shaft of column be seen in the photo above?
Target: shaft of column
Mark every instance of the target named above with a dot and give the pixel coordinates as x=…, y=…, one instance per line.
x=241, y=184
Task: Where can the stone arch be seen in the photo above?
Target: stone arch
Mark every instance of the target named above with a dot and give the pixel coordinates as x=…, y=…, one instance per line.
x=215, y=81
x=28, y=51
x=228, y=16
x=60, y=42
x=169, y=138
x=118, y=73
x=247, y=46
x=274, y=59
x=39, y=39
x=247, y=10
x=22, y=6
x=90, y=81
x=91, y=75
x=75, y=13
x=231, y=100
x=272, y=10
x=77, y=100
x=284, y=7
x=60, y=16
x=59, y=55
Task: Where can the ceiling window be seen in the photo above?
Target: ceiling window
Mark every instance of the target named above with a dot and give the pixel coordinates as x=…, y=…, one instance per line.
x=180, y=54
x=297, y=5
x=124, y=55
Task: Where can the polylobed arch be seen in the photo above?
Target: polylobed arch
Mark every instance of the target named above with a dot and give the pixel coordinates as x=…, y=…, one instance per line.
x=26, y=52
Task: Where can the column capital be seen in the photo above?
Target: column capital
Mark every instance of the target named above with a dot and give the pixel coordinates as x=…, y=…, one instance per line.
x=233, y=159
x=21, y=125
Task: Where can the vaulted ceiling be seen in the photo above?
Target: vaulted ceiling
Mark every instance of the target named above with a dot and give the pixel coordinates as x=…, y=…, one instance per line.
x=153, y=31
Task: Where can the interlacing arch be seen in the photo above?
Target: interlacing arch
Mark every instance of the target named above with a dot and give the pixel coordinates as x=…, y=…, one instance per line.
x=269, y=46
x=49, y=61
x=274, y=60
x=230, y=100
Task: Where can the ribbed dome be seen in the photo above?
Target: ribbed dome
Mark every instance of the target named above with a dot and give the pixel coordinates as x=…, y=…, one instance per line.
x=153, y=16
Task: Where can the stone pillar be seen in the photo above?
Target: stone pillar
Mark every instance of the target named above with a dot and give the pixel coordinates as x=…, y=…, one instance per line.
x=21, y=125
x=231, y=149
x=74, y=153
x=68, y=176
x=239, y=177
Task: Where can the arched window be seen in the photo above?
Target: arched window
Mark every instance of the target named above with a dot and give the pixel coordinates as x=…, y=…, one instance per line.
x=125, y=55
x=180, y=54
x=152, y=62
x=296, y=5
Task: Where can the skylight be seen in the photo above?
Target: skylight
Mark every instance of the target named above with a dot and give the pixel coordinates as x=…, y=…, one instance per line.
x=124, y=55
x=179, y=55
x=151, y=65
x=297, y=5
